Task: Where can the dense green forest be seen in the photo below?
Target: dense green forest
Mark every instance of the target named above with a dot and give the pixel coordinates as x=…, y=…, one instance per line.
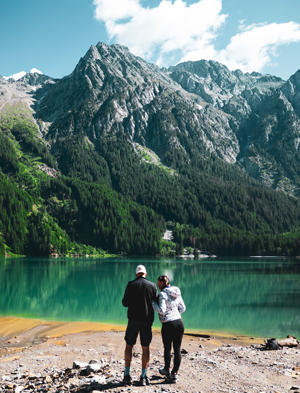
x=41, y=214
x=97, y=198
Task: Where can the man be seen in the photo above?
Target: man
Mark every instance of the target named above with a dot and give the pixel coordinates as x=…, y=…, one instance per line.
x=138, y=296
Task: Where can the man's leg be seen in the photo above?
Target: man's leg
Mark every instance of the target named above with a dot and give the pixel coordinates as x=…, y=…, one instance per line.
x=130, y=338
x=146, y=337
x=145, y=357
x=128, y=355
x=144, y=380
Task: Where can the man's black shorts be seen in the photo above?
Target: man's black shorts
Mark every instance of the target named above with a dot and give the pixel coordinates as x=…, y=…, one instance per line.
x=133, y=329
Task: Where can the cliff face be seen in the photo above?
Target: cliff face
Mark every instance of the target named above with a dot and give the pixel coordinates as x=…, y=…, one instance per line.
x=264, y=114
x=112, y=91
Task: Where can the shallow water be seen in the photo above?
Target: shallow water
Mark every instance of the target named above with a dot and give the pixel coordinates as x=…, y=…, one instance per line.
x=254, y=296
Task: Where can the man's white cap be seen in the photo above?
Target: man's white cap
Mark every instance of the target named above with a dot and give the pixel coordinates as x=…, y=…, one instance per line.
x=140, y=269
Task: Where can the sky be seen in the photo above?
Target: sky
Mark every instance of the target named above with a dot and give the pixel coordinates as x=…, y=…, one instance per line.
x=52, y=36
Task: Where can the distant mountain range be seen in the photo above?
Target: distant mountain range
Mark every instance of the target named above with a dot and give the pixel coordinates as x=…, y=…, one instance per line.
x=250, y=119
x=20, y=75
x=115, y=113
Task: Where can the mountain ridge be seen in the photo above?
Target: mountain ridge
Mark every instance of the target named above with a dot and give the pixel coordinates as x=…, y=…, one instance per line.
x=210, y=97
x=195, y=145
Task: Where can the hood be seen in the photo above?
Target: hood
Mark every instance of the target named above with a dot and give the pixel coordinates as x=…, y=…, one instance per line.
x=173, y=292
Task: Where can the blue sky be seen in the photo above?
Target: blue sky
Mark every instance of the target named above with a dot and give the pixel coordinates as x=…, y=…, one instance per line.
x=257, y=35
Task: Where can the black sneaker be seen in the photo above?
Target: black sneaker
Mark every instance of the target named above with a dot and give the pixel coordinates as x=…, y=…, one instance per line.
x=144, y=381
x=127, y=380
x=164, y=372
x=173, y=377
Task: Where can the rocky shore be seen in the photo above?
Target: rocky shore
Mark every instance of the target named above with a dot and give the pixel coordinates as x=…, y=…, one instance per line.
x=42, y=360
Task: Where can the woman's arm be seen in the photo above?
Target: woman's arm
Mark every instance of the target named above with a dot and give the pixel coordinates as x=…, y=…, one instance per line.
x=181, y=305
x=161, y=307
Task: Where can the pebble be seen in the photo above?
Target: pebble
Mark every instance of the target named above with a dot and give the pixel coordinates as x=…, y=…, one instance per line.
x=93, y=368
x=77, y=364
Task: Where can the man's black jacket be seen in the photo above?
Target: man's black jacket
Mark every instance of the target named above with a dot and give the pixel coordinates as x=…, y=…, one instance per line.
x=138, y=296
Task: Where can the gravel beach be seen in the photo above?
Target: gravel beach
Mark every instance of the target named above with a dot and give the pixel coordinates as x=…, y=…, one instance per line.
x=42, y=356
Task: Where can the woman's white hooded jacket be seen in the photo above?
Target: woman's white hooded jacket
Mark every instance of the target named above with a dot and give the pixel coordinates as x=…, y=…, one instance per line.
x=170, y=304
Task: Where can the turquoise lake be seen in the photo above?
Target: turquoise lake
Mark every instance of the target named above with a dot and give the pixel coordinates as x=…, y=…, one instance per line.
x=254, y=296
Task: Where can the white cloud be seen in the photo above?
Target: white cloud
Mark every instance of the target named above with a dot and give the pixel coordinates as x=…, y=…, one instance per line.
x=20, y=75
x=163, y=30
x=256, y=46
x=174, y=31
x=114, y=10
x=16, y=76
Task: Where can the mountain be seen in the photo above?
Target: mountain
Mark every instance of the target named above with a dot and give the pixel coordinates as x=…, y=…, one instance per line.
x=19, y=75
x=109, y=155
x=264, y=116
x=194, y=106
x=114, y=91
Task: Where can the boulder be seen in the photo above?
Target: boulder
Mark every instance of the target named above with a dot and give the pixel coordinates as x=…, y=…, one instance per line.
x=290, y=341
x=77, y=364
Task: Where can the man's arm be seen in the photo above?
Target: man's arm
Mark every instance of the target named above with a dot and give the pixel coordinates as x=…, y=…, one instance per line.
x=155, y=295
x=125, y=298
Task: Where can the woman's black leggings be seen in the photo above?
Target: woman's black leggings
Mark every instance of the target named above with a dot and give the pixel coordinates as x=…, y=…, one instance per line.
x=172, y=332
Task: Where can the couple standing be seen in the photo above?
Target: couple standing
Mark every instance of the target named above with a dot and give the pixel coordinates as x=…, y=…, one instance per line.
x=141, y=298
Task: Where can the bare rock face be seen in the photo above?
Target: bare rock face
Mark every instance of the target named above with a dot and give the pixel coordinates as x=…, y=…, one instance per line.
x=291, y=90
x=35, y=79
x=217, y=85
x=264, y=114
x=111, y=91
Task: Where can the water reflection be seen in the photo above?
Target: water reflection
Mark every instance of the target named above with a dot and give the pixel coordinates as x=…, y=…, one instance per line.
x=256, y=297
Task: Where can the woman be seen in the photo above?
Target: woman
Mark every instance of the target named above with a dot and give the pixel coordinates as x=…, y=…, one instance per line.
x=169, y=309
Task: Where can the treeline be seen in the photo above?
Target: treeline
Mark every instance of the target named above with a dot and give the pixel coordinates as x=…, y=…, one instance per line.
x=225, y=210
x=231, y=213
x=24, y=229
x=15, y=205
x=87, y=214
x=205, y=194
x=223, y=240
x=77, y=158
x=96, y=215
x=107, y=199
x=40, y=214
x=22, y=135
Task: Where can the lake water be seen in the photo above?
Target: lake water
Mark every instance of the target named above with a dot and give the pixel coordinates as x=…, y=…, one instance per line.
x=254, y=296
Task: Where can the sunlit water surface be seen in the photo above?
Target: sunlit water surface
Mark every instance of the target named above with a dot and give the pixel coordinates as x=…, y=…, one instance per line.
x=254, y=296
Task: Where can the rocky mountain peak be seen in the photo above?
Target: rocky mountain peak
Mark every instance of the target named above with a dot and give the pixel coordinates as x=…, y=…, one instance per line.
x=35, y=78
x=202, y=68
x=215, y=84
x=115, y=91
x=103, y=61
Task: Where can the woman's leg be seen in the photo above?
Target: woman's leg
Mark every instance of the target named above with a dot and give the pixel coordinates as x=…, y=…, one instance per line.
x=166, y=338
x=177, y=339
